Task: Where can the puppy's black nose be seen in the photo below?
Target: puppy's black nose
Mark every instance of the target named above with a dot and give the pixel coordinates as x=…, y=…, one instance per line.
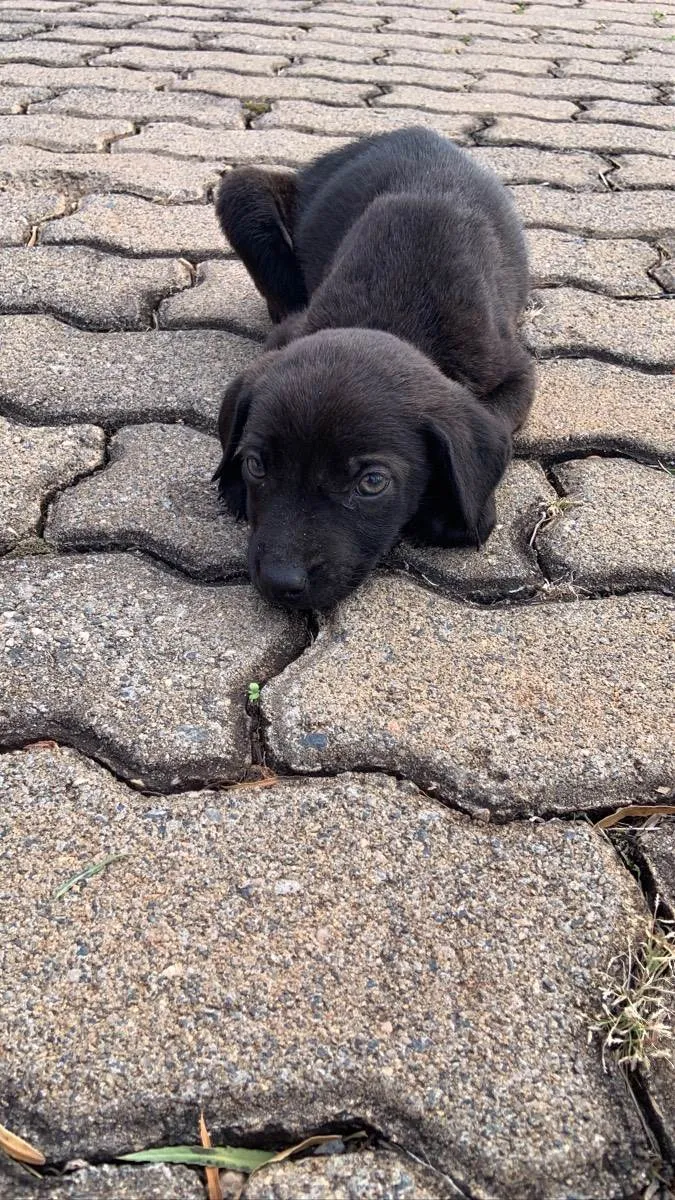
x=283, y=580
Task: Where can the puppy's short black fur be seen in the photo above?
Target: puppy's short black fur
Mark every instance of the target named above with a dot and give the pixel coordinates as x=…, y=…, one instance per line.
x=396, y=271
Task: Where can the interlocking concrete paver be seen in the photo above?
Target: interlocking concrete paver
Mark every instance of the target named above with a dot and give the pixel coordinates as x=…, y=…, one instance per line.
x=609, y=138
x=521, y=165
x=644, y=170
x=54, y=54
x=277, y=87
x=514, y=710
x=340, y=50
x=571, y=89
x=148, y=59
x=236, y=147
x=506, y=565
x=55, y=132
x=155, y=1182
x=394, y=935
x=360, y=122
x=95, y=290
x=485, y=105
x=579, y=323
x=50, y=371
x=609, y=214
x=620, y=532
x=15, y=99
x=149, y=175
x=150, y=106
x=617, y=267
x=33, y=75
x=135, y=664
x=135, y=226
x=138, y=36
x=222, y=298
x=382, y=1175
x=22, y=208
x=382, y=74
x=35, y=462
x=583, y=405
x=655, y=115
x=157, y=494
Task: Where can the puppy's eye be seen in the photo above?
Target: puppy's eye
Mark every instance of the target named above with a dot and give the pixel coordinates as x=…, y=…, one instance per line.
x=373, y=483
x=254, y=466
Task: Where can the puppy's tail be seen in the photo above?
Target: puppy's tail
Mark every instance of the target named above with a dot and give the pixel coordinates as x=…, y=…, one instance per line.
x=256, y=211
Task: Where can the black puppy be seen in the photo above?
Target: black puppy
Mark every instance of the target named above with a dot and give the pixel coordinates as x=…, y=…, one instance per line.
x=387, y=398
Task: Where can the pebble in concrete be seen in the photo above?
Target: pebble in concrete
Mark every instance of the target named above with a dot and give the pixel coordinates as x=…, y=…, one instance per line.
x=583, y=404
x=315, y=947
x=34, y=462
x=576, y=322
x=223, y=298
x=97, y=291
x=619, y=531
x=151, y=175
x=505, y=564
x=51, y=371
x=23, y=208
x=136, y=226
x=143, y=668
x=513, y=710
x=618, y=268
x=157, y=494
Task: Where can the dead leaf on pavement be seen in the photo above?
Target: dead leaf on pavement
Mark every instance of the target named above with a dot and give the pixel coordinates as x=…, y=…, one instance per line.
x=213, y=1188
x=636, y=810
x=20, y=1150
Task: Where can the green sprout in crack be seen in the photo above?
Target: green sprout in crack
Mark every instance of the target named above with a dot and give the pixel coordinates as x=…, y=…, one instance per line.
x=253, y=693
x=257, y=107
x=658, y=17
x=638, y=1001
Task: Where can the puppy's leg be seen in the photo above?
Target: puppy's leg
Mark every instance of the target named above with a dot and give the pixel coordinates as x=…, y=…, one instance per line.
x=256, y=210
x=513, y=398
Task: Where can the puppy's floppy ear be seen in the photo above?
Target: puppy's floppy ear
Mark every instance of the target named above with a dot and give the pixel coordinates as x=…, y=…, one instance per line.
x=469, y=449
x=232, y=419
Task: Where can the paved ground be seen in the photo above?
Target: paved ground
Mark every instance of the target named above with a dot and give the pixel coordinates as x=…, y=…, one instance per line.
x=416, y=946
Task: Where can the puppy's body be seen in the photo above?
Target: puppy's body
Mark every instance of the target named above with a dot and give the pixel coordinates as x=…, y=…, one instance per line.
x=405, y=235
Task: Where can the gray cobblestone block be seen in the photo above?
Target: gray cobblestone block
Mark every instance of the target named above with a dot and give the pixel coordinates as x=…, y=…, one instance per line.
x=97, y=291
x=485, y=105
x=22, y=208
x=13, y=32
x=65, y=77
x=54, y=132
x=15, y=99
x=223, y=298
x=658, y=116
x=619, y=531
x=357, y=122
x=627, y=72
x=645, y=171
x=518, y=164
x=583, y=405
x=616, y=267
x=381, y=74
x=310, y=17
x=413, y=927
x=236, y=147
x=131, y=225
x=571, y=89
x=87, y=17
x=311, y=45
x=49, y=54
x=516, y=710
x=576, y=322
x=53, y=372
x=457, y=29
x=138, y=36
x=196, y=109
x=479, y=45
x=177, y=61
x=147, y=175
x=608, y=214
x=140, y=665
x=505, y=565
x=157, y=495
x=34, y=463
x=465, y=58
x=607, y=138
x=278, y=87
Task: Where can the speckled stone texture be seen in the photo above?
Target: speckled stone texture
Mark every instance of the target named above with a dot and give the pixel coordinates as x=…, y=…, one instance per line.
x=583, y=404
x=138, y=666
x=155, y=1182
x=314, y=948
x=506, y=564
x=174, y=180
x=223, y=298
x=157, y=494
x=51, y=371
x=510, y=710
x=94, y=290
x=131, y=225
x=23, y=208
x=36, y=462
x=617, y=267
x=375, y=1175
x=578, y=323
x=619, y=531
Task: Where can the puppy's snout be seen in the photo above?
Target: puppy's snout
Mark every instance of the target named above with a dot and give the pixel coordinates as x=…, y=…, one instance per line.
x=283, y=581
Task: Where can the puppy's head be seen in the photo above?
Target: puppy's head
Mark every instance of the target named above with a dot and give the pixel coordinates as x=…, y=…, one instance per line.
x=335, y=445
